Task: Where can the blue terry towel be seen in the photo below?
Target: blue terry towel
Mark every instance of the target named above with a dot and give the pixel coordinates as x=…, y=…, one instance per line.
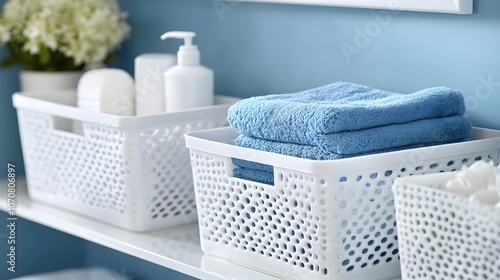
x=263, y=173
x=246, y=164
x=303, y=151
x=305, y=117
x=259, y=176
x=350, y=143
x=424, y=131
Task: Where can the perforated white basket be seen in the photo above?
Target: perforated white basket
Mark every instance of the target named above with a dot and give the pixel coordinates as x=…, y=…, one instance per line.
x=442, y=235
x=132, y=172
x=321, y=219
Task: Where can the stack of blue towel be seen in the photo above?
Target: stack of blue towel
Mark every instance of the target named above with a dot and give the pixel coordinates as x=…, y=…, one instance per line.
x=343, y=120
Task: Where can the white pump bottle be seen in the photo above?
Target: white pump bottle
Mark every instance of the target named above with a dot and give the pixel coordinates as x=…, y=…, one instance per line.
x=188, y=84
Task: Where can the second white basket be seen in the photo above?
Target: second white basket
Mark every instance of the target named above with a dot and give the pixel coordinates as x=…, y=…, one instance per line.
x=442, y=235
x=321, y=219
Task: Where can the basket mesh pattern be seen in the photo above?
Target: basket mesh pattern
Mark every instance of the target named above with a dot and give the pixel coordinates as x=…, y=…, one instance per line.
x=75, y=168
x=245, y=216
x=443, y=236
x=166, y=163
x=365, y=200
x=126, y=177
x=312, y=226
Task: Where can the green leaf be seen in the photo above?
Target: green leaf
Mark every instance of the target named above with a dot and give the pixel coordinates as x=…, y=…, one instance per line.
x=14, y=48
x=44, y=56
x=46, y=60
x=110, y=58
x=27, y=58
x=10, y=61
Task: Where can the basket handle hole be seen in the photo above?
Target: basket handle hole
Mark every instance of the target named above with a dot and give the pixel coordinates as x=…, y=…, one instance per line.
x=67, y=125
x=263, y=181
x=254, y=172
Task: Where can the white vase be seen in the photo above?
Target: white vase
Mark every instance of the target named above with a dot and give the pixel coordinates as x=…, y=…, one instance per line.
x=39, y=80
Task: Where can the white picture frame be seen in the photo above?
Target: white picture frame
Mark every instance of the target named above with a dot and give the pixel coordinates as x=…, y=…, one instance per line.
x=434, y=6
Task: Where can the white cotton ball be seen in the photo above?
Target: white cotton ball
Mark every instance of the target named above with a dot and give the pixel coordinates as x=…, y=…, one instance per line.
x=485, y=196
x=490, y=173
x=457, y=185
x=478, y=176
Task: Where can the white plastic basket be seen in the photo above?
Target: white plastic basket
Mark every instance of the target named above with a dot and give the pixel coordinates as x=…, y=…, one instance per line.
x=321, y=219
x=442, y=235
x=132, y=172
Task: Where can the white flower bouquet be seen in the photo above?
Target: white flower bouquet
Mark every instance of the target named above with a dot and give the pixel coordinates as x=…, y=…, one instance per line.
x=61, y=35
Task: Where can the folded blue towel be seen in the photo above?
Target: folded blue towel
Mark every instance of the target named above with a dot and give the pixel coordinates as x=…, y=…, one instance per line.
x=306, y=116
x=352, y=143
x=246, y=164
x=254, y=175
x=306, y=151
x=424, y=131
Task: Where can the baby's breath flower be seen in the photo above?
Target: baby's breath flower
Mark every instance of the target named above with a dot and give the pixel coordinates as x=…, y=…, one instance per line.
x=84, y=31
x=4, y=34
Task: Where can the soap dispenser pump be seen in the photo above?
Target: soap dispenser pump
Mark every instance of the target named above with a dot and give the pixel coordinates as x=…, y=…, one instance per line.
x=188, y=84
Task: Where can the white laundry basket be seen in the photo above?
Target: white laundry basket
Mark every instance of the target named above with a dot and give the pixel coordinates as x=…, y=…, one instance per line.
x=132, y=172
x=321, y=219
x=442, y=235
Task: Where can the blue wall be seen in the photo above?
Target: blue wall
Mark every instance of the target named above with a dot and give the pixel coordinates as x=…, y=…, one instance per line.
x=258, y=49
x=38, y=249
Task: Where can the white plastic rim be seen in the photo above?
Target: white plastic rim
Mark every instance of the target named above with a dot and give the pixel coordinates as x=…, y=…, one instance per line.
x=219, y=141
x=32, y=101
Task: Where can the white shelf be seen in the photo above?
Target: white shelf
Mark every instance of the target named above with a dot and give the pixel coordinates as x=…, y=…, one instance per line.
x=177, y=248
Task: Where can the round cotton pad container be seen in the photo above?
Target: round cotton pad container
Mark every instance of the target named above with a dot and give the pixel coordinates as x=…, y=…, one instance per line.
x=111, y=89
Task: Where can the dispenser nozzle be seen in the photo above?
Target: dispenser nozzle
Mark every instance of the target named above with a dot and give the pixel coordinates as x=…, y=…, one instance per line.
x=188, y=53
x=187, y=36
